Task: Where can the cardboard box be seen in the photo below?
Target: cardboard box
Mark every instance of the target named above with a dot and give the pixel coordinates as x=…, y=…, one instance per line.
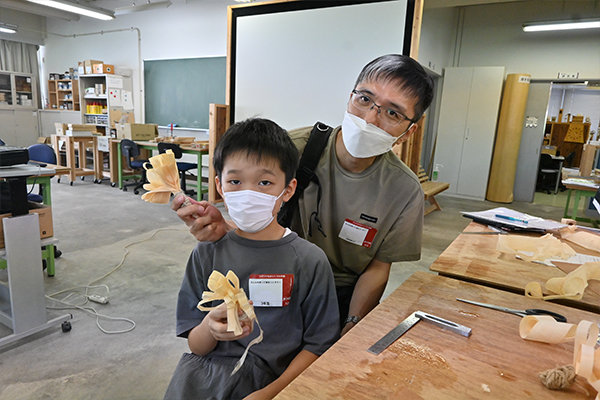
x=137, y=131
x=104, y=69
x=45, y=215
x=103, y=143
x=88, y=65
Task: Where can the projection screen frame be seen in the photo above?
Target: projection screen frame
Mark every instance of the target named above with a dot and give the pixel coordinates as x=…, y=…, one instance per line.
x=239, y=11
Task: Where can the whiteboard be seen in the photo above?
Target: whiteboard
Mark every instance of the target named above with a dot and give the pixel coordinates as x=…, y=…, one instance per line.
x=298, y=66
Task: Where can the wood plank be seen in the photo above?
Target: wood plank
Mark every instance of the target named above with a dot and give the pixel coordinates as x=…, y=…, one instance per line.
x=474, y=257
x=430, y=363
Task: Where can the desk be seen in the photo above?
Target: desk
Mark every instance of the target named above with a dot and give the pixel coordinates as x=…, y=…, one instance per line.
x=41, y=176
x=474, y=258
x=22, y=301
x=116, y=163
x=81, y=142
x=430, y=363
x=580, y=191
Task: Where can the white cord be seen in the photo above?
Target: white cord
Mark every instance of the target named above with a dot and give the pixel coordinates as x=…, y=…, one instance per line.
x=90, y=285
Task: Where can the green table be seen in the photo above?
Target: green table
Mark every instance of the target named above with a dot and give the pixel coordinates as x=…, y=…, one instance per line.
x=580, y=191
x=199, y=152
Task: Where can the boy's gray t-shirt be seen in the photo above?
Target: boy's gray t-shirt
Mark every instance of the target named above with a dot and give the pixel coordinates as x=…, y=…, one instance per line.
x=309, y=322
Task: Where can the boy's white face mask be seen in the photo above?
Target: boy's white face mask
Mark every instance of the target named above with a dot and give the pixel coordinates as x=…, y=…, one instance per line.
x=251, y=211
x=364, y=140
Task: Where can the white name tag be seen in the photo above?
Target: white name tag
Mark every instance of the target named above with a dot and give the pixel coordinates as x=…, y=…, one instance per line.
x=266, y=292
x=357, y=233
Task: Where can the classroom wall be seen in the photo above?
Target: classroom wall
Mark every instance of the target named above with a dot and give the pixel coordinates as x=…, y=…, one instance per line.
x=490, y=37
x=30, y=28
x=184, y=30
x=438, y=38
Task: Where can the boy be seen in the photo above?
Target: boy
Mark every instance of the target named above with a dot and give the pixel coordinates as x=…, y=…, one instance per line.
x=255, y=163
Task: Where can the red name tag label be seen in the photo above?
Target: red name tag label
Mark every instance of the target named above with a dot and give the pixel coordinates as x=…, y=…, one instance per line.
x=357, y=233
x=271, y=290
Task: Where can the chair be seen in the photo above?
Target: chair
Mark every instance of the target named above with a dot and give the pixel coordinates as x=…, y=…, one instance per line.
x=42, y=153
x=183, y=167
x=130, y=151
x=549, y=173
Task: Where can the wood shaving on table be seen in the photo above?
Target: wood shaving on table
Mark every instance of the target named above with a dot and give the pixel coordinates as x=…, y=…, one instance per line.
x=571, y=286
x=227, y=288
x=587, y=240
x=586, y=359
x=537, y=249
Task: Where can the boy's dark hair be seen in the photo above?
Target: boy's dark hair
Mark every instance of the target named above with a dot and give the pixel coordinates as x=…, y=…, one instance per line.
x=259, y=138
x=410, y=75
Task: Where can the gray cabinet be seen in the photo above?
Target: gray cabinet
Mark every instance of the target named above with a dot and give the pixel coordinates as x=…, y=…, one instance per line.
x=467, y=127
x=17, y=91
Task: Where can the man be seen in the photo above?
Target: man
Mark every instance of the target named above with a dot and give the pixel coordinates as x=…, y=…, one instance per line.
x=367, y=210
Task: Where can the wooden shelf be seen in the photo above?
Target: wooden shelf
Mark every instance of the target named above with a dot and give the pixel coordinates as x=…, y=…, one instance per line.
x=56, y=86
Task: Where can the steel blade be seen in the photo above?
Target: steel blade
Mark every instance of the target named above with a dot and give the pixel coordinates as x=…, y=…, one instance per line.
x=394, y=334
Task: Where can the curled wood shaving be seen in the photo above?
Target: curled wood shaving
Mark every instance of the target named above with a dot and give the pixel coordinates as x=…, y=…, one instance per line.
x=586, y=359
x=544, y=328
x=163, y=178
x=534, y=248
x=227, y=288
x=584, y=239
x=571, y=286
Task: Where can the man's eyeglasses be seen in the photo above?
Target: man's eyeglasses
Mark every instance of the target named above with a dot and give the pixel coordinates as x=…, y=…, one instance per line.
x=390, y=116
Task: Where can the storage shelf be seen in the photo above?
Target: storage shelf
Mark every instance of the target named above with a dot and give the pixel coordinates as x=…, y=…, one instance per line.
x=95, y=97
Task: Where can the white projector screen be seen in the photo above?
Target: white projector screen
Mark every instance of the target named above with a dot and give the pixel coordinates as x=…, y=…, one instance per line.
x=296, y=62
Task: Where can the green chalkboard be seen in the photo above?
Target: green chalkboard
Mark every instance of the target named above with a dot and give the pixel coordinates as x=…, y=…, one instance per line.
x=180, y=91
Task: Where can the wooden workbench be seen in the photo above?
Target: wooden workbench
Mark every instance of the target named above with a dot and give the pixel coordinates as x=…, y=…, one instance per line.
x=474, y=258
x=82, y=143
x=430, y=363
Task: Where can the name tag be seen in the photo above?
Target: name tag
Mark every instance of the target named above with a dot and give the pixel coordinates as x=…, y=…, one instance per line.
x=357, y=233
x=271, y=290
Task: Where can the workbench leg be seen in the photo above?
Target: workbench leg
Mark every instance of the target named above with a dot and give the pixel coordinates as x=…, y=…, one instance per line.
x=71, y=159
x=198, y=178
x=576, y=204
x=566, y=214
x=120, y=166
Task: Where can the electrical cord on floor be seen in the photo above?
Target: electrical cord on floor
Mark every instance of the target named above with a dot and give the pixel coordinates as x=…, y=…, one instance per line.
x=87, y=296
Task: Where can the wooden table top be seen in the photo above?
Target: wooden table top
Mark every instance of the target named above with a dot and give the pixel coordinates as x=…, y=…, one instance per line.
x=430, y=363
x=473, y=257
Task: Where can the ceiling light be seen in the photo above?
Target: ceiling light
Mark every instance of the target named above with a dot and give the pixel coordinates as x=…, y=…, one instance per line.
x=77, y=8
x=560, y=25
x=142, y=7
x=8, y=28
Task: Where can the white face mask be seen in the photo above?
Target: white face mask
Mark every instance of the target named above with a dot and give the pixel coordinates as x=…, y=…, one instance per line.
x=251, y=211
x=363, y=140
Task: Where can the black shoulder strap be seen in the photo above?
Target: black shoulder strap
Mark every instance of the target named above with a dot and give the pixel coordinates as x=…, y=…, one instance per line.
x=317, y=141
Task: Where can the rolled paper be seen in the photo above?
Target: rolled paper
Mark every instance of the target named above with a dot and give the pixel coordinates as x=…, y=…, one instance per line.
x=534, y=248
x=227, y=288
x=571, y=286
x=544, y=328
x=163, y=179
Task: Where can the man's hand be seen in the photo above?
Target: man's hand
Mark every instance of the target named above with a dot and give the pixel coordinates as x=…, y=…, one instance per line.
x=205, y=221
x=217, y=324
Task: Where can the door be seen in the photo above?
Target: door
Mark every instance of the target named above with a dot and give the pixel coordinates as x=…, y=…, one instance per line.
x=467, y=127
x=531, y=141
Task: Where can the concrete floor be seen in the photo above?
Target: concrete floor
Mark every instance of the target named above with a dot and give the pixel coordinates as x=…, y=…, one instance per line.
x=96, y=226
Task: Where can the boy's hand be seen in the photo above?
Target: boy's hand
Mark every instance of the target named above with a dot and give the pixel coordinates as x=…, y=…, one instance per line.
x=217, y=324
x=205, y=221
